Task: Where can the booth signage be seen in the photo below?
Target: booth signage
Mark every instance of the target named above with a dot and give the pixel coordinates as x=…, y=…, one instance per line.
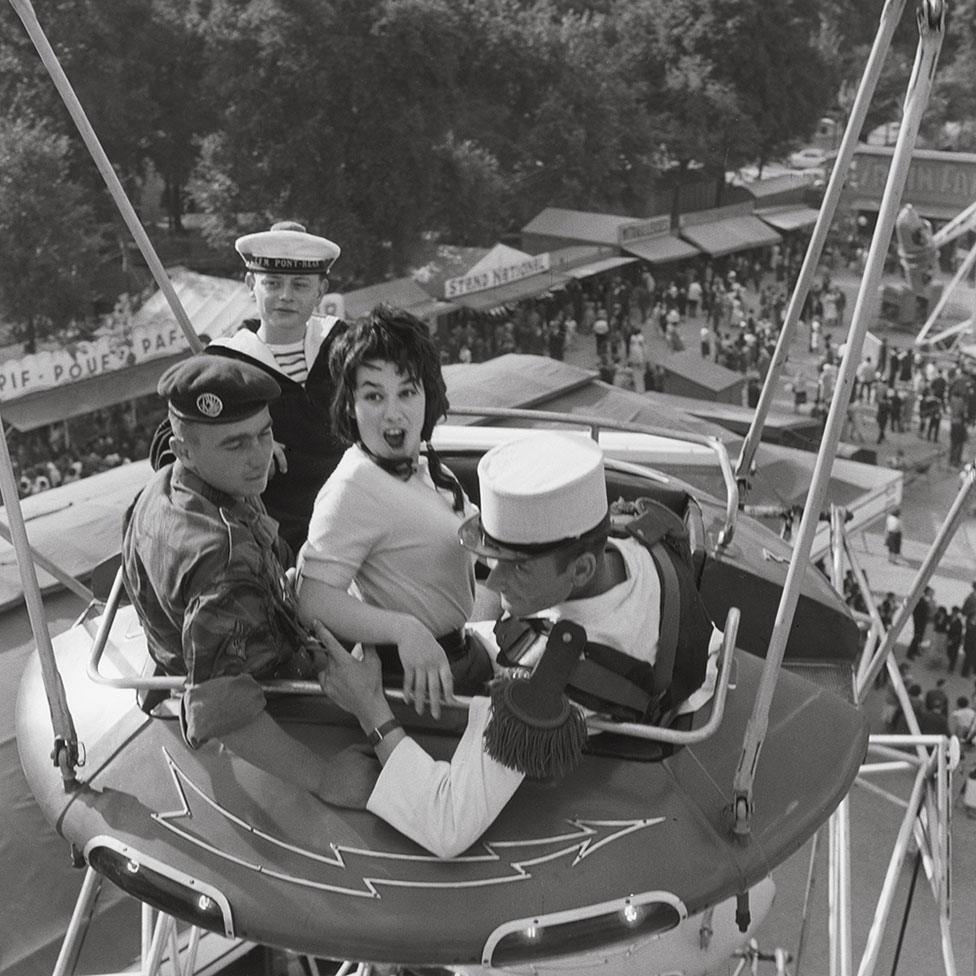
x=85, y=360
x=642, y=229
x=943, y=180
x=493, y=277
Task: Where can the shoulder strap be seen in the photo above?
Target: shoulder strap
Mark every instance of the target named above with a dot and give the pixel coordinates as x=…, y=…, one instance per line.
x=667, y=642
x=655, y=525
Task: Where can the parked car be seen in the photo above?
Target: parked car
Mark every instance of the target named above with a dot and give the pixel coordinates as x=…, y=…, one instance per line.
x=808, y=157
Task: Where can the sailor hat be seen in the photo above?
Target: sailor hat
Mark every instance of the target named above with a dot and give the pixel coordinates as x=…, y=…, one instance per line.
x=537, y=494
x=287, y=249
x=208, y=389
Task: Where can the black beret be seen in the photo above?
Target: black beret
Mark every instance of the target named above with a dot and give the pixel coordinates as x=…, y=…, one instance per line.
x=216, y=390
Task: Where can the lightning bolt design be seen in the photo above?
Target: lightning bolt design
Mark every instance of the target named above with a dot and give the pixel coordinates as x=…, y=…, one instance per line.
x=585, y=838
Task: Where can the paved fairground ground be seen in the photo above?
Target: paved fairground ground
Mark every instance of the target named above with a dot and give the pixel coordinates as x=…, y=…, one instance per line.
x=874, y=819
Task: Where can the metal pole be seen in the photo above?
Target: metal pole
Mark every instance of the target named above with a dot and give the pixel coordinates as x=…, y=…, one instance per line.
x=25, y=11
x=842, y=932
x=65, y=579
x=877, y=627
x=969, y=261
x=807, y=891
x=883, y=908
x=931, y=31
x=69, y=947
x=904, y=918
x=833, y=942
x=955, y=516
x=944, y=854
x=65, y=738
x=890, y=16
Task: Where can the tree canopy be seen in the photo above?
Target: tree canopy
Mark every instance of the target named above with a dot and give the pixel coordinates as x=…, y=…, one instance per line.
x=48, y=233
x=390, y=124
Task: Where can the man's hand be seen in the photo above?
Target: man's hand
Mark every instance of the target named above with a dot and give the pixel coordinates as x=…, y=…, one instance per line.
x=355, y=685
x=426, y=671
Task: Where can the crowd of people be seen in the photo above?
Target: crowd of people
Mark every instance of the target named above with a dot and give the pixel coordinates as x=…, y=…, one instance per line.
x=943, y=638
x=737, y=303
x=58, y=455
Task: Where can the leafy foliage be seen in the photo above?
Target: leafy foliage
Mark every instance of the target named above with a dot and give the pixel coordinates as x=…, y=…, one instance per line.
x=48, y=234
x=391, y=124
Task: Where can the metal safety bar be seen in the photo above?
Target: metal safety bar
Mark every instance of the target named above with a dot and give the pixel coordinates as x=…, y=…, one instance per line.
x=596, y=425
x=295, y=687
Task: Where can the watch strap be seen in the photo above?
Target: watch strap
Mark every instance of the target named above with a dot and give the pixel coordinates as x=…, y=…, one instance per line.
x=382, y=731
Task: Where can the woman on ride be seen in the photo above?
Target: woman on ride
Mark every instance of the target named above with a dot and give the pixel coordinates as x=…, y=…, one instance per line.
x=386, y=521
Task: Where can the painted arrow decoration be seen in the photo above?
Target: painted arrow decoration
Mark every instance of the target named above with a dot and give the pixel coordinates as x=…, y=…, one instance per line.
x=503, y=861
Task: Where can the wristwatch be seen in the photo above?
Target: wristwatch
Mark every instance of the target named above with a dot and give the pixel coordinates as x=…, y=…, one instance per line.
x=382, y=731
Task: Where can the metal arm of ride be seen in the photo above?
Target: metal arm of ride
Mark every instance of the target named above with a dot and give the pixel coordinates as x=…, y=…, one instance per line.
x=65, y=753
x=961, y=224
x=931, y=23
x=596, y=425
x=25, y=11
x=293, y=687
x=954, y=518
x=890, y=17
x=923, y=336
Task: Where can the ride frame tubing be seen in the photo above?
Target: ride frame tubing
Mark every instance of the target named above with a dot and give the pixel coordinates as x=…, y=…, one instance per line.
x=839, y=896
x=65, y=579
x=890, y=16
x=65, y=738
x=964, y=268
x=931, y=32
x=804, y=914
x=877, y=626
x=25, y=11
x=71, y=943
x=954, y=517
x=883, y=908
x=945, y=853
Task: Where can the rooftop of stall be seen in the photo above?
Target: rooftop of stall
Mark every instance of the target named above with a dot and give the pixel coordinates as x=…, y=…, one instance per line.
x=726, y=230
x=784, y=202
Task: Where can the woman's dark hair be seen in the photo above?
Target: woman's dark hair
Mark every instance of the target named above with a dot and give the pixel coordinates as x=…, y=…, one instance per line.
x=392, y=335
x=395, y=336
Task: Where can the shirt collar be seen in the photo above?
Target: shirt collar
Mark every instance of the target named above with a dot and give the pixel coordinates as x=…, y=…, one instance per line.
x=185, y=477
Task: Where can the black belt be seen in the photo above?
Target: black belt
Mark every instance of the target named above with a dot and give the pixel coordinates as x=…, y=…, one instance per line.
x=454, y=643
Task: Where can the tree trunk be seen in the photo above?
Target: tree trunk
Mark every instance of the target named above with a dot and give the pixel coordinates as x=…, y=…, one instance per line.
x=173, y=202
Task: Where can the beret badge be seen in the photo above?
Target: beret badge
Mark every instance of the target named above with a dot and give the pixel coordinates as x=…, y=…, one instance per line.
x=210, y=405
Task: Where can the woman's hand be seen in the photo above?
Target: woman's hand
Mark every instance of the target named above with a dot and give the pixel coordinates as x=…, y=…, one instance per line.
x=426, y=671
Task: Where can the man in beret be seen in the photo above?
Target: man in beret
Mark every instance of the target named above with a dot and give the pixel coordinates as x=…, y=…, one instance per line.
x=286, y=274
x=205, y=569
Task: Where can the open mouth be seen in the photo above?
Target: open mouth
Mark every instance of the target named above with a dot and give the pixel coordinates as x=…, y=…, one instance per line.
x=395, y=438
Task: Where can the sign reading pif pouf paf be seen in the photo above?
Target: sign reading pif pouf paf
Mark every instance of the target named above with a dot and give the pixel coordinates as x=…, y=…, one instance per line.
x=85, y=360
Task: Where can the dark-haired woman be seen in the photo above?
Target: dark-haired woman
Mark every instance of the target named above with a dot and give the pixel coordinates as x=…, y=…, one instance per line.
x=386, y=521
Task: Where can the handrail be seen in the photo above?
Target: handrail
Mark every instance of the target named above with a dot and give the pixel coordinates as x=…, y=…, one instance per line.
x=654, y=734
x=292, y=686
x=598, y=424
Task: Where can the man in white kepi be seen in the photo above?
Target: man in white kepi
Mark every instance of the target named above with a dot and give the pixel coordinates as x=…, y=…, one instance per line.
x=286, y=272
x=634, y=640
